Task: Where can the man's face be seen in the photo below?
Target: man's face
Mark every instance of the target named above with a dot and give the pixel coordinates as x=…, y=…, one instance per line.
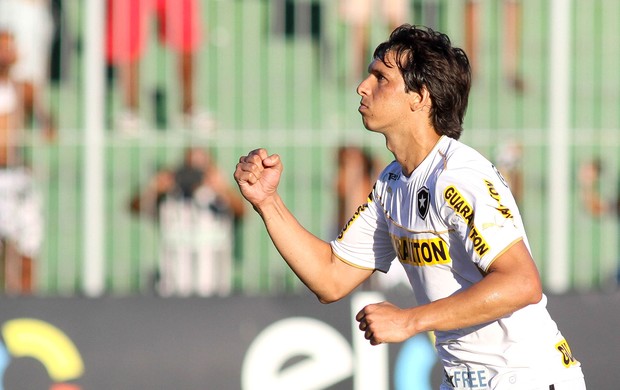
x=384, y=102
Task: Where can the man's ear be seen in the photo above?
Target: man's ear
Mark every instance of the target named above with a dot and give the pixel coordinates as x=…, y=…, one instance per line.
x=420, y=100
x=414, y=101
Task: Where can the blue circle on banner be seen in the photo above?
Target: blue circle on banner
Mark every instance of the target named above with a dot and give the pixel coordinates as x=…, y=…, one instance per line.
x=414, y=364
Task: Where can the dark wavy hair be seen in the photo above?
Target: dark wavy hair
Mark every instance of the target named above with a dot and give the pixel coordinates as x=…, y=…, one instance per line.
x=426, y=58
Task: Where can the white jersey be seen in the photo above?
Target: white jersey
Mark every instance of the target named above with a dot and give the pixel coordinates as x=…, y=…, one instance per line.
x=446, y=223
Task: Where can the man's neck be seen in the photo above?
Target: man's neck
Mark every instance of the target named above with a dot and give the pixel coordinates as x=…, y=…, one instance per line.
x=412, y=151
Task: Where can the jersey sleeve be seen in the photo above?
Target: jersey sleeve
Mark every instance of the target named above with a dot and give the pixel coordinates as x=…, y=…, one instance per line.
x=364, y=241
x=480, y=209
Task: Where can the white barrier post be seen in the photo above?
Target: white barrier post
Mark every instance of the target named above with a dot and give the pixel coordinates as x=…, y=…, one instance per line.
x=93, y=212
x=557, y=275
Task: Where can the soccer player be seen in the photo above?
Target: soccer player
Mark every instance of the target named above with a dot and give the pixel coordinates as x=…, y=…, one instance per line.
x=449, y=218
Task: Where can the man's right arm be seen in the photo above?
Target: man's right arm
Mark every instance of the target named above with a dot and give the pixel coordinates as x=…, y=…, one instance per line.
x=311, y=258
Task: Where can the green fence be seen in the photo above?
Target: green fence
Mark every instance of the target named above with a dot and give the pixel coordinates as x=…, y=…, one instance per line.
x=276, y=74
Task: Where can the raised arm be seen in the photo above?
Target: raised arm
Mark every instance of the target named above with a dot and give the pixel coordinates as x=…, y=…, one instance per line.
x=258, y=175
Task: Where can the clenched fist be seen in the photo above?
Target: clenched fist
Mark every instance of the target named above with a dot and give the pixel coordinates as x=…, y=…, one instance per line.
x=258, y=175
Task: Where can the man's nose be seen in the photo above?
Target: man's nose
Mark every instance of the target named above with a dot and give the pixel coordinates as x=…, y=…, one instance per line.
x=362, y=88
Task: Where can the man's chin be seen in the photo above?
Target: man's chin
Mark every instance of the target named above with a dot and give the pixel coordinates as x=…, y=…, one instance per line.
x=370, y=127
x=366, y=124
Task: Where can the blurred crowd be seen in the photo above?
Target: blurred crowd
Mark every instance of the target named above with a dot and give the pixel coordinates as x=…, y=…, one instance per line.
x=193, y=205
x=195, y=198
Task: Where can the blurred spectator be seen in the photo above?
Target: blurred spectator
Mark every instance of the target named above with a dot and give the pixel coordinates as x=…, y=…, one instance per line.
x=196, y=209
x=63, y=42
x=589, y=181
x=21, y=221
x=357, y=172
x=354, y=181
x=358, y=14
x=593, y=201
x=511, y=42
x=32, y=25
x=21, y=228
x=180, y=27
x=508, y=162
x=9, y=100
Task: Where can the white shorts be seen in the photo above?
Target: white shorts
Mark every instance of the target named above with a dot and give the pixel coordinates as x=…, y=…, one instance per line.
x=571, y=384
x=21, y=215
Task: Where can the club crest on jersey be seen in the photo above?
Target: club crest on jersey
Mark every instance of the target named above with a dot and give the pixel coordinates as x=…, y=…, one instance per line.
x=423, y=199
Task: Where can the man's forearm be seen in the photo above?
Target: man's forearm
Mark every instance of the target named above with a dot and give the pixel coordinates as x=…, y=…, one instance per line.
x=512, y=284
x=487, y=301
x=309, y=257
